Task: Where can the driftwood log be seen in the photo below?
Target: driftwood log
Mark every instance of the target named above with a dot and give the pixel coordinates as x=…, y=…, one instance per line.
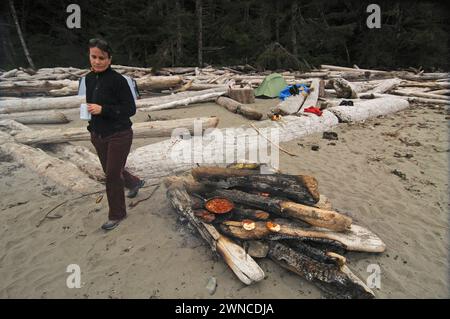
x=236, y=107
x=290, y=105
x=183, y=102
x=312, y=215
x=355, y=238
x=337, y=281
x=300, y=188
x=245, y=268
x=141, y=130
x=60, y=172
x=365, y=109
x=48, y=117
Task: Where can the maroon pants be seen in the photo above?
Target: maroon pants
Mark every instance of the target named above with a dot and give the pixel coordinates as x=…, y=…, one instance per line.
x=113, y=151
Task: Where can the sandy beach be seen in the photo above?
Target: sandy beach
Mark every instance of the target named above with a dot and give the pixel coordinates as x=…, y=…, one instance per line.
x=389, y=173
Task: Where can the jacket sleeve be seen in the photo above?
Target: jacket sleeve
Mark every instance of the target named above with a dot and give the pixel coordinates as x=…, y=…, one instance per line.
x=125, y=106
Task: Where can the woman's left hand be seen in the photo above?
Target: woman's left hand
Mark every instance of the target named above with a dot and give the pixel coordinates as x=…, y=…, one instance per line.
x=94, y=109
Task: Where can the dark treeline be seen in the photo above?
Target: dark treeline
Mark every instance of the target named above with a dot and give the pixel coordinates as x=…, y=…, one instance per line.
x=266, y=34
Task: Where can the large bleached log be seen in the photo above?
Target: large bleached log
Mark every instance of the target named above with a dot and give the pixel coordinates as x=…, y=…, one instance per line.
x=130, y=68
x=48, y=117
x=368, y=108
x=340, y=282
x=419, y=94
x=236, y=107
x=224, y=146
x=21, y=88
x=290, y=105
x=422, y=77
x=80, y=156
x=432, y=85
x=411, y=99
x=141, y=130
x=441, y=92
x=245, y=268
x=45, y=103
x=299, y=188
x=158, y=82
x=60, y=172
x=312, y=215
x=385, y=86
x=84, y=159
x=183, y=102
x=342, y=68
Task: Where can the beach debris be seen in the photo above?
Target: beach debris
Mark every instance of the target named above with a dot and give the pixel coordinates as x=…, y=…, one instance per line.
x=315, y=147
x=399, y=174
x=211, y=286
x=330, y=136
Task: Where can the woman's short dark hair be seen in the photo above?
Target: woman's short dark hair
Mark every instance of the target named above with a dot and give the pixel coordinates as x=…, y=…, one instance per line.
x=101, y=44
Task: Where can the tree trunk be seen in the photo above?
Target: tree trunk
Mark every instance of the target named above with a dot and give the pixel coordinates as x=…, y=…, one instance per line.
x=21, y=88
x=199, y=11
x=385, y=86
x=312, y=215
x=245, y=268
x=19, y=33
x=242, y=95
x=344, y=89
x=236, y=107
x=179, y=39
x=294, y=28
x=141, y=130
x=299, y=188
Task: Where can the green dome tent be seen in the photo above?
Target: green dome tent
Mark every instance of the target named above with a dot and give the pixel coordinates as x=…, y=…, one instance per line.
x=271, y=86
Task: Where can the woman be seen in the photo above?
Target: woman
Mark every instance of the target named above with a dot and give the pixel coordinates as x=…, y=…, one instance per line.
x=111, y=105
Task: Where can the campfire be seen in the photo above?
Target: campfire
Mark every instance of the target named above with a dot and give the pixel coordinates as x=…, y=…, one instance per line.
x=244, y=214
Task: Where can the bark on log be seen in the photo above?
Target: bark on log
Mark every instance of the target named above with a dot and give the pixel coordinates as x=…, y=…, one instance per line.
x=248, y=213
x=369, y=108
x=60, y=172
x=242, y=95
x=245, y=268
x=141, y=130
x=339, y=282
x=183, y=102
x=236, y=107
x=312, y=215
x=299, y=188
x=158, y=82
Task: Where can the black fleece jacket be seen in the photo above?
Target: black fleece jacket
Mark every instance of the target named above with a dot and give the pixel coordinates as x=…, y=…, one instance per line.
x=110, y=90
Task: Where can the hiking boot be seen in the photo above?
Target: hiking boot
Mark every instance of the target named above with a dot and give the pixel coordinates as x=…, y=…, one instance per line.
x=135, y=190
x=110, y=224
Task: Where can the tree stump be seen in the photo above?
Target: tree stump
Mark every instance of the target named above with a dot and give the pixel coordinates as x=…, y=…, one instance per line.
x=242, y=95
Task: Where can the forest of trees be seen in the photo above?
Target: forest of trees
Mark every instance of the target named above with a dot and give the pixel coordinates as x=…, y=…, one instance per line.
x=267, y=34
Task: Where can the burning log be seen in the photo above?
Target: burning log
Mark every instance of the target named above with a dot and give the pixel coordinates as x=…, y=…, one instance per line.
x=356, y=238
x=301, y=189
x=312, y=215
x=337, y=281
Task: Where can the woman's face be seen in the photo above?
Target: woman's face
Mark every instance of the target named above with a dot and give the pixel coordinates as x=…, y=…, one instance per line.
x=99, y=59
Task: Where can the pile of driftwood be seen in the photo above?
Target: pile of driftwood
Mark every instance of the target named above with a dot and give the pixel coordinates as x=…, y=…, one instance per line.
x=279, y=216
